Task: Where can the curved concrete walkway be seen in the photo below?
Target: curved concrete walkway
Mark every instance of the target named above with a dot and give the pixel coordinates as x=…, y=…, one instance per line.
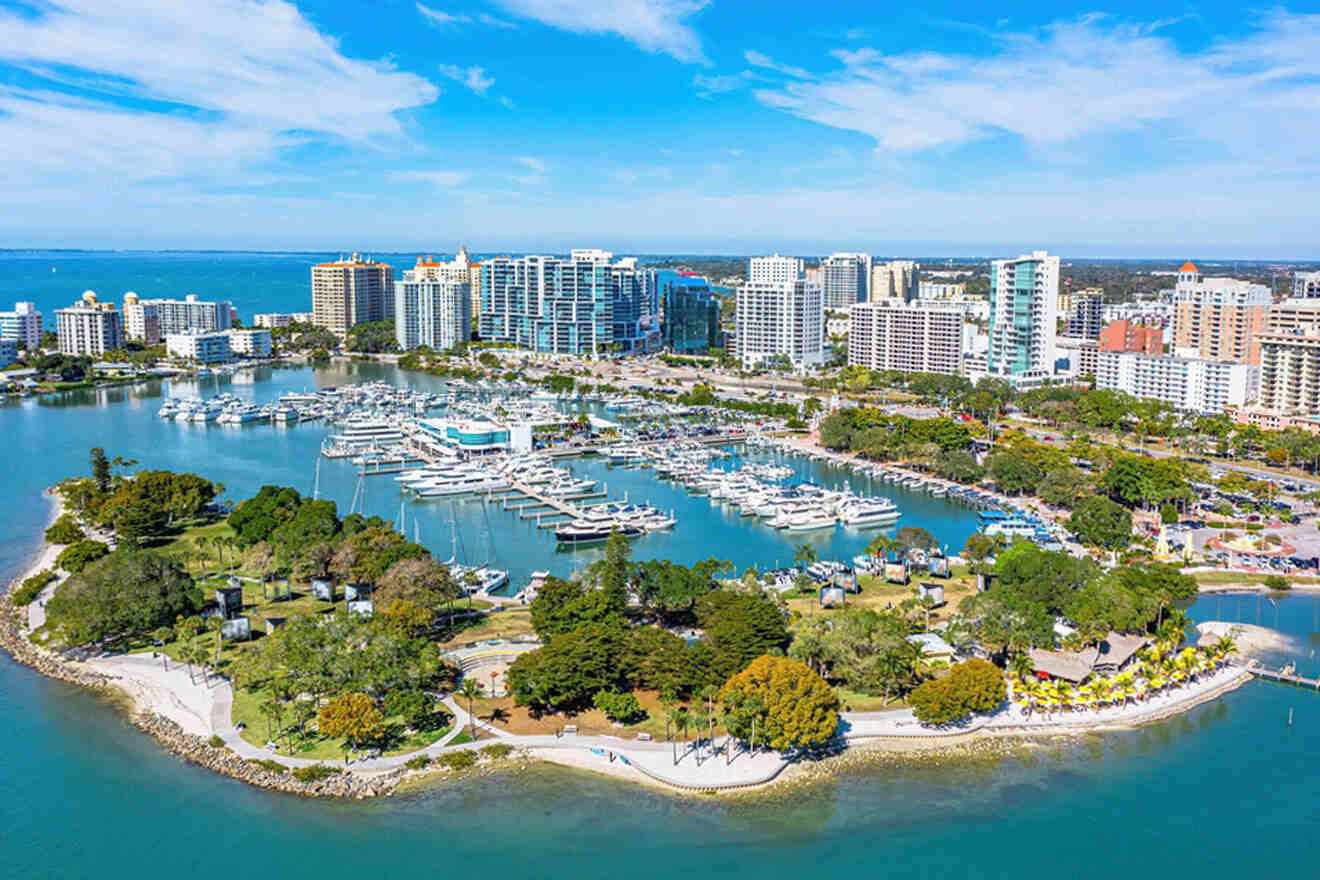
x=203, y=708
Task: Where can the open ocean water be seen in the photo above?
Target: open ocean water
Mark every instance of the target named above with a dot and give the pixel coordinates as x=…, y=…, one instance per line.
x=1228, y=790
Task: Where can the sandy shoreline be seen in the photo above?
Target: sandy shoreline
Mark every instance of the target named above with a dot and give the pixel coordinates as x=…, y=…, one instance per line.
x=184, y=722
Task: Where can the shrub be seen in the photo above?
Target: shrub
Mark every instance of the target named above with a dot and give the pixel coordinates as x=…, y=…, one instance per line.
x=64, y=530
x=32, y=587
x=1276, y=582
x=1253, y=527
x=315, y=772
x=497, y=751
x=216, y=742
x=1216, y=524
x=77, y=556
x=268, y=764
x=971, y=686
x=616, y=706
x=463, y=760
x=421, y=762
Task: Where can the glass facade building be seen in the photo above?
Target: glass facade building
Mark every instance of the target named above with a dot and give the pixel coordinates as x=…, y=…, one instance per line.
x=691, y=313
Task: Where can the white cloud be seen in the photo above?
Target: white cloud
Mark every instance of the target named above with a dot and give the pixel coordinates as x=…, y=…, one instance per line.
x=441, y=18
x=532, y=162
x=653, y=25
x=759, y=59
x=474, y=78
x=718, y=85
x=439, y=178
x=492, y=21
x=1075, y=82
x=254, y=64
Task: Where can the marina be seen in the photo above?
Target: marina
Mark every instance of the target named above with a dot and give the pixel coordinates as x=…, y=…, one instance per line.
x=1083, y=782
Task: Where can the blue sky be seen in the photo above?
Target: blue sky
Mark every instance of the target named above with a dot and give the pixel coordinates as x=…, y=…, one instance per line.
x=661, y=125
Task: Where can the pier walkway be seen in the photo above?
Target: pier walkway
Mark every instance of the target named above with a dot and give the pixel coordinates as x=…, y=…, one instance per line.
x=1282, y=677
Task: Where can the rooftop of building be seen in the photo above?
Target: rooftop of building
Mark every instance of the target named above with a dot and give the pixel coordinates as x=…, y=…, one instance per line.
x=1189, y=266
x=356, y=260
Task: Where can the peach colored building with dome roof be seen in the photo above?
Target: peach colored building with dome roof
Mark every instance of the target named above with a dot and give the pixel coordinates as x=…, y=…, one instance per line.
x=1221, y=319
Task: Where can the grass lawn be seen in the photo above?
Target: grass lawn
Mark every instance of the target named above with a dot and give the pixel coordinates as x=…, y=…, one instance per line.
x=856, y=701
x=876, y=593
x=247, y=709
x=500, y=625
x=503, y=714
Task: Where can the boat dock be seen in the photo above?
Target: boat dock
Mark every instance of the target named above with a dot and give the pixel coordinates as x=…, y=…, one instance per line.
x=1282, y=677
x=559, y=506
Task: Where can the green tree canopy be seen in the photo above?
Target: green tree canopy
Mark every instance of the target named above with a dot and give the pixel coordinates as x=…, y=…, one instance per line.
x=797, y=708
x=125, y=592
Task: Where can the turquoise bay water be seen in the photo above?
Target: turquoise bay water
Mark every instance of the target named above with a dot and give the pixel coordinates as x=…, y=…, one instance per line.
x=1226, y=791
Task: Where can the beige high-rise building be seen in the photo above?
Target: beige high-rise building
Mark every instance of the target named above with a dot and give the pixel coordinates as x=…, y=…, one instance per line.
x=897, y=279
x=1221, y=318
x=1293, y=315
x=1290, y=372
x=351, y=291
x=906, y=338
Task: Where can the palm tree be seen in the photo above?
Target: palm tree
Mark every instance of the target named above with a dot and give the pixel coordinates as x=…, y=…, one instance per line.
x=471, y=689
x=678, y=717
x=273, y=712
x=216, y=625
x=804, y=555
x=161, y=636
x=1020, y=665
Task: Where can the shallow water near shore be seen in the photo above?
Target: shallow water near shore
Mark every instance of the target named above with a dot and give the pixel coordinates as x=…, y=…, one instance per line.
x=1226, y=789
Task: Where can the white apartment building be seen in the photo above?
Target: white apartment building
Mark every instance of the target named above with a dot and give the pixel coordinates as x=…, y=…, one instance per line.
x=255, y=343
x=906, y=338
x=974, y=308
x=272, y=320
x=1152, y=313
x=1290, y=372
x=1082, y=354
x=89, y=327
x=141, y=320
x=1191, y=385
x=845, y=279
x=775, y=269
x=1024, y=303
x=8, y=352
x=780, y=318
x=1306, y=285
x=942, y=289
x=199, y=348
x=189, y=314
x=897, y=279
x=430, y=311
x=460, y=269
x=23, y=324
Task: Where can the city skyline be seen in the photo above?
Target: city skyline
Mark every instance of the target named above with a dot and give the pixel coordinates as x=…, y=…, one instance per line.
x=705, y=128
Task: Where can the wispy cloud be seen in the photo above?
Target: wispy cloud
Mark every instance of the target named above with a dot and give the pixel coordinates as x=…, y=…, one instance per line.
x=532, y=162
x=758, y=59
x=439, y=178
x=653, y=25
x=474, y=78
x=1075, y=81
x=718, y=85
x=440, y=17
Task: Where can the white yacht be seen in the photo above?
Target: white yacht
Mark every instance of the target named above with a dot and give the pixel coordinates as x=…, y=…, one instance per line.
x=868, y=512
